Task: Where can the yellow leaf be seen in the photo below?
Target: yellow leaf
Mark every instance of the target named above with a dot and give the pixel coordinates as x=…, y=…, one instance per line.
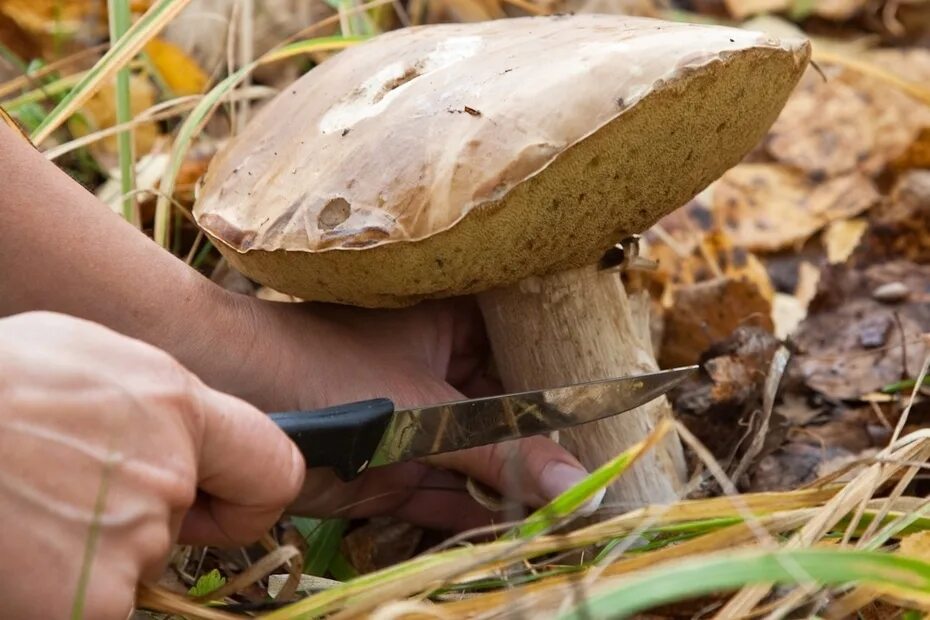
x=180, y=72
x=50, y=16
x=99, y=112
x=916, y=545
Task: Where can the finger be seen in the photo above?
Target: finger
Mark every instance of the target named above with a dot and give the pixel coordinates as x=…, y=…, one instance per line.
x=414, y=492
x=470, y=356
x=534, y=470
x=207, y=523
x=248, y=467
x=441, y=502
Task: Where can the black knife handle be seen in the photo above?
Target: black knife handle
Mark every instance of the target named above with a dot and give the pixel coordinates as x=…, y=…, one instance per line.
x=343, y=437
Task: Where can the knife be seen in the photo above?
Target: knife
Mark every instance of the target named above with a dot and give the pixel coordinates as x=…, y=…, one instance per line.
x=353, y=437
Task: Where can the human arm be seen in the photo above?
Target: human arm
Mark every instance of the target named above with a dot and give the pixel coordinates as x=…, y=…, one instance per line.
x=62, y=250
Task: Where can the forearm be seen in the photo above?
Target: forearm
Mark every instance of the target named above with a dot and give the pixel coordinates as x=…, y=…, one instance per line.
x=62, y=250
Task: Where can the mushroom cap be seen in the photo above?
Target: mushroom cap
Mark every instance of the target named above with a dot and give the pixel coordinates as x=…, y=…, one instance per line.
x=448, y=159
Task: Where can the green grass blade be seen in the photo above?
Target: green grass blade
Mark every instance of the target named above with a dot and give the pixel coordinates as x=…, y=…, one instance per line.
x=323, y=537
x=117, y=57
x=120, y=21
x=92, y=540
x=629, y=595
x=199, y=116
x=576, y=497
x=341, y=569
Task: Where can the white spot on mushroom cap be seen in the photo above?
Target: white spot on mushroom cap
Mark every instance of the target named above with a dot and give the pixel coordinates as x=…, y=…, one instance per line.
x=376, y=94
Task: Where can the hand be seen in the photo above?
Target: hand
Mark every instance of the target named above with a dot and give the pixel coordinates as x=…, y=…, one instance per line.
x=105, y=436
x=275, y=356
x=314, y=355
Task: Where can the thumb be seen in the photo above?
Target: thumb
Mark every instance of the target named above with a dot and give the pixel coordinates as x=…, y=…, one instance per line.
x=249, y=471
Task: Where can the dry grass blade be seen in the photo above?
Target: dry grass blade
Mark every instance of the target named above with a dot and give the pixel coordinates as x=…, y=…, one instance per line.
x=25, y=80
x=253, y=573
x=428, y=573
x=117, y=57
x=913, y=447
x=162, y=111
x=9, y=120
x=772, y=381
x=727, y=537
x=158, y=599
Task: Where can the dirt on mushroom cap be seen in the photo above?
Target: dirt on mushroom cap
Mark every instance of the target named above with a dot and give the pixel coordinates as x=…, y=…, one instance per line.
x=461, y=157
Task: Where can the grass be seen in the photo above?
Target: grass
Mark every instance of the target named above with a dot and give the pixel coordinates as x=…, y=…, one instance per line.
x=120, y=20
x=838, y=545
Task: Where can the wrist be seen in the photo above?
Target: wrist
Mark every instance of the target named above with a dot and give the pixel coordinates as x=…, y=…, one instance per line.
x=215, y=334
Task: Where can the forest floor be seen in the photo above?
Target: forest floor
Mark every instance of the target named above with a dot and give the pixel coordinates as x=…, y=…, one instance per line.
x=800, y=281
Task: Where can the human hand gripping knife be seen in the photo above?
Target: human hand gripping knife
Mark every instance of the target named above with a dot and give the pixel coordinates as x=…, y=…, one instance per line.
x=351, y=438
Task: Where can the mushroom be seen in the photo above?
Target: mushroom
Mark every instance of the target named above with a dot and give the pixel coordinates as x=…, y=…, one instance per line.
x=502, y=159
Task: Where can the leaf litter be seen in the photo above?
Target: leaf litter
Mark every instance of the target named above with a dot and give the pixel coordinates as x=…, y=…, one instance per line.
x=799, y=281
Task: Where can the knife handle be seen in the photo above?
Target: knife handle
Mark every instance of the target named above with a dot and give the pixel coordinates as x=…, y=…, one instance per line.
x=343, y=437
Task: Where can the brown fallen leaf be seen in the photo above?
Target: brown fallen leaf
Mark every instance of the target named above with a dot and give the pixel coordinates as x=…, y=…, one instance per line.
x=768, y=207
x=381, y=542
x=18, y=41
x=851, y=343
x=792, y=466
x=900, y=229
x=850, y=429
x=717, y=404
x=642, y=8
x=850, y=122
x=705, y=313
x=838, y=10
x=741, y=9
x=916, y=155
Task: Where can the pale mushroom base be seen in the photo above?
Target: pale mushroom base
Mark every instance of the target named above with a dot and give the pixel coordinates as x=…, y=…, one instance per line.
x=647, y=162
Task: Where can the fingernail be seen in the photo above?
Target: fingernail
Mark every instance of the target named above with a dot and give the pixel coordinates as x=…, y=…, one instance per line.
x=559, y=477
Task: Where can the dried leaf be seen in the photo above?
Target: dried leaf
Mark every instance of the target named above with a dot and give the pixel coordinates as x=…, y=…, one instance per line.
x=200, y=31
x=53, y=17
x=841, y=238
x=17, y=40
x=99, y=112
x=851, y=343
x=741, y=9
x=901, y=227
x=767, y=207
x=180, y=72
x=916, y=545
x=808, y=280
x=381, y=542
x=838, y=10
x=705, y=313
x=849, y=122
x=917, y=154
x=787, y=314
x=719, y=405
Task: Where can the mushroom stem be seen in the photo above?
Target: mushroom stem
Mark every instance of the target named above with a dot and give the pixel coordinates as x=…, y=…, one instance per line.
x=578, y=326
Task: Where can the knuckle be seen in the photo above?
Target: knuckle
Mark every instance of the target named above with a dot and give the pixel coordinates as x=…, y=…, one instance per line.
x=153, y=545
x=181, y=492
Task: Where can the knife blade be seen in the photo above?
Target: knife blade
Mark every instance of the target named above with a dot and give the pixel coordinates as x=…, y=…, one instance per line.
x=353, y=437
